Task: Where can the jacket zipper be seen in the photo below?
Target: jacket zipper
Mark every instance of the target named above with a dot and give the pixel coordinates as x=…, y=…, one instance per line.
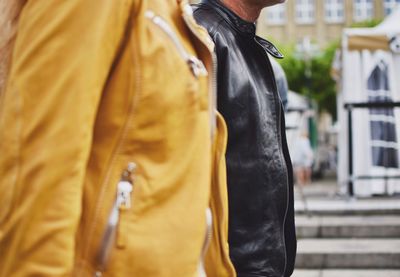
x=201, y=67
x=206, y=244
x=188, y=12
x=125, y=128
x=195, y=65
x=279, y=129
x=122, y=202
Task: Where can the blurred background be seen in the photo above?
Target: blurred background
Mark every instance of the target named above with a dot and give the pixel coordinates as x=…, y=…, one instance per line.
x=342, y=69
x=340, y=82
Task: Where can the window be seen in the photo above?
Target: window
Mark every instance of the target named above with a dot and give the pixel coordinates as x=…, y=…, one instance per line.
x=390, y=5
x=363, y=10
x=305, y=11
x=334, y=11
x=276, y=15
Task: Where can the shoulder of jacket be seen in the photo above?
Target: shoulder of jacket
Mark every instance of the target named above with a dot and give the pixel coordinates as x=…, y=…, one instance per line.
x=207, y=17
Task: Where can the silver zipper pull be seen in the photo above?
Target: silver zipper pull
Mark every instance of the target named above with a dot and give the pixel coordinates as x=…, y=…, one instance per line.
x=197, y=67
x=123, y=200
x=124, y=194
x=129, y=171
x=125, y=187
x=206, y=243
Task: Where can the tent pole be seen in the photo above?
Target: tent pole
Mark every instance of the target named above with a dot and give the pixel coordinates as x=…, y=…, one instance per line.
x=350, y=188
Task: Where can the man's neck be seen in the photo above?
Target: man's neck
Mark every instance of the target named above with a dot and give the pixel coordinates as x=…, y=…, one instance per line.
x=244, y=10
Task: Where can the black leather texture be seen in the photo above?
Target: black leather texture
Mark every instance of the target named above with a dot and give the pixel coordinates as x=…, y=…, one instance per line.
x=260, y=184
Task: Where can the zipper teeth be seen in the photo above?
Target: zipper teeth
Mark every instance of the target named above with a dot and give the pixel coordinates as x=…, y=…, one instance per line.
x=162, y=24
x=104, y=187
x=287, y=194
x=207, y=241
x=214, y=96
x=123, y=199
x=114, y=158
x=182, y=51
x=213, y=119
x=280, y=152
x=284, y=162
x=209, y=221
x=108, y=238
x=213, y=79
x=196, y=66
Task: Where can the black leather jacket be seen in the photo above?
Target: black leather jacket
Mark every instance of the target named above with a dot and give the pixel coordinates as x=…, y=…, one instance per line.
x=260, y=183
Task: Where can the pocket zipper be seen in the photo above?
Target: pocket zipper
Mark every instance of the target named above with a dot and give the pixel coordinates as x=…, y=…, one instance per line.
x=196, y=66
x=206, y=244
x=122, y=201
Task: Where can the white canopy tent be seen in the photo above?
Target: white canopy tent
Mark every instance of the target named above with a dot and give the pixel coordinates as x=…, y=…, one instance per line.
x=369, y=137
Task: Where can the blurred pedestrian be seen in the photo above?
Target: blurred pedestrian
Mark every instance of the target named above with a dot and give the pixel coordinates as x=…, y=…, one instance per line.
x=260, y=181
x=302, y=158
x=110, y=144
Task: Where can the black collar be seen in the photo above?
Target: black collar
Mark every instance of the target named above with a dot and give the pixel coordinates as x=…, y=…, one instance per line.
x=241, y=25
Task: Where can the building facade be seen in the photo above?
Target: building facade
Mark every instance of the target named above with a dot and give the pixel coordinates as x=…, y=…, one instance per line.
x=321, y=21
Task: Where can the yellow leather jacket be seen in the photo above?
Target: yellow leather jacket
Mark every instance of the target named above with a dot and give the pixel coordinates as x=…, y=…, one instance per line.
x=110, y=145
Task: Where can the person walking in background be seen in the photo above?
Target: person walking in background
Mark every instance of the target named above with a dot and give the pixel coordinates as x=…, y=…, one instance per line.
x=110, y=144
x=302, y=158
x=262, y=240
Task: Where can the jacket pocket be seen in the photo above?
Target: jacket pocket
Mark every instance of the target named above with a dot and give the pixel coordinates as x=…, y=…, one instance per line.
x=195, y=65
x=114, y=234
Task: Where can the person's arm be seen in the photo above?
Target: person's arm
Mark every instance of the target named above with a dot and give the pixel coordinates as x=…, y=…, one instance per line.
x=62, y=58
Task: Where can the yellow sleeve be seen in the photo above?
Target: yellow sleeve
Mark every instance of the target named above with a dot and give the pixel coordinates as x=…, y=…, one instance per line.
x=62, y=58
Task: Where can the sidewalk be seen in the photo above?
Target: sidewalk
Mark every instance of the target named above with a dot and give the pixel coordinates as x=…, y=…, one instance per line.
x=321, y=197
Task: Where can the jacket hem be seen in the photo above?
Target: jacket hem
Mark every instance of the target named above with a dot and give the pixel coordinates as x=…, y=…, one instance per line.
x=257, y=275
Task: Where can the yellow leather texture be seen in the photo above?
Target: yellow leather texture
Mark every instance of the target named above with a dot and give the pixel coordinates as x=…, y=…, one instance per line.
x=93, y=86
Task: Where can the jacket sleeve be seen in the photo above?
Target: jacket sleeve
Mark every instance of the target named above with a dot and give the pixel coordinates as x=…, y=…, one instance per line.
x=63, y=55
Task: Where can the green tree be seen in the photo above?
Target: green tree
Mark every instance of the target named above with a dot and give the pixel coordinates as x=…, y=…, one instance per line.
x=366, y=23
x=320, y=86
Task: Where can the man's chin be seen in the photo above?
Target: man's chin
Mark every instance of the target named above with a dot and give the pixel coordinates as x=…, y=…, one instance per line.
x=266, y=3
x=274, y=2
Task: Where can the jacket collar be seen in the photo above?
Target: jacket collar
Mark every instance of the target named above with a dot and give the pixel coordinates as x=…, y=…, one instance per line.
x=242, y=26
